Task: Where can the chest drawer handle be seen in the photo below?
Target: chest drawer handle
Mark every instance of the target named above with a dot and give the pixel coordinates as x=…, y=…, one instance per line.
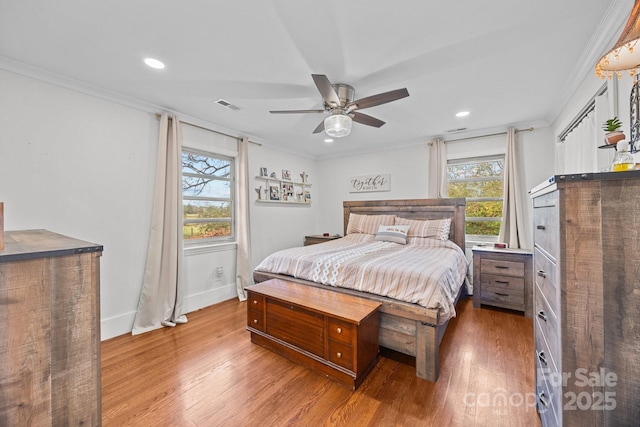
x=502, y=267
x=542, y=273
x=502, y=295
x=504, y=282
x=339, y=355
x=542, y=315
x=542, y=397
x=339, y=330
x=255, y=320
x=541, y=227
x=255, y=301
x=542, y=357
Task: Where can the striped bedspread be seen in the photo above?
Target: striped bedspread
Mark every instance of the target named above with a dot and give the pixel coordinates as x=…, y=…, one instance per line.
x=427, y=272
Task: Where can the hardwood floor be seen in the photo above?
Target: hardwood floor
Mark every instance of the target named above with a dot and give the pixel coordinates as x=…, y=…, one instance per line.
x=208, y=373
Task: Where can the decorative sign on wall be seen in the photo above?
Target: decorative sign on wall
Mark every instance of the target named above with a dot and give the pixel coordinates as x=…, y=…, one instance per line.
x=361, y=184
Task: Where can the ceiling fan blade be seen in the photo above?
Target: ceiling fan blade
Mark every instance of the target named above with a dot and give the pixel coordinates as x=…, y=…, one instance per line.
x=320, y=127
x=366, y=120
x=381, y=98
x=326, y=89
x=296, y=111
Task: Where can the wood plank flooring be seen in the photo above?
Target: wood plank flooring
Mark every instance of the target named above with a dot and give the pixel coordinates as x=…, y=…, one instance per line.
x=208, y=373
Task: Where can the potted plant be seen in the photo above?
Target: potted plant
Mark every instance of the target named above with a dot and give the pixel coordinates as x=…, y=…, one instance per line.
x=612, y=133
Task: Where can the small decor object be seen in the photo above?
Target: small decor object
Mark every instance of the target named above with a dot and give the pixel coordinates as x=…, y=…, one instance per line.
x=274, y=192
x=263, y=172
x=307, y=196
x=623, y=160
x=259, y=191
x=286, y=175
x=612, y=133
x=304, y=177
x=273, y=175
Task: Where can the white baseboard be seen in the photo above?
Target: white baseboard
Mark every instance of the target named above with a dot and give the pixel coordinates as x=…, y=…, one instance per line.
x=122, y=324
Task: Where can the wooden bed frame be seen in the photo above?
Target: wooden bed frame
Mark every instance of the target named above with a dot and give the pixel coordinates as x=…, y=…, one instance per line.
x=405, y=327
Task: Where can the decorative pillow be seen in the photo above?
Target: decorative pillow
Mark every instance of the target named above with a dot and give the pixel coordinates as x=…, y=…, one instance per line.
x=393, y=233
x=367, y=224
x=431, y=228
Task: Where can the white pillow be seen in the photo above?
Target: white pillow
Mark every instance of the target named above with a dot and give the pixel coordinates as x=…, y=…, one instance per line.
x=393, y=233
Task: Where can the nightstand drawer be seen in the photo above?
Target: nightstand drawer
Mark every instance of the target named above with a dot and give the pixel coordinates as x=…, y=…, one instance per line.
x=255, y=319
x=508, y=268
x=507, y=283
x=496, y=295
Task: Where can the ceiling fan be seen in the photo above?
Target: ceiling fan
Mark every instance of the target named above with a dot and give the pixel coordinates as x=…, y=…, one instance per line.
x=339, y=103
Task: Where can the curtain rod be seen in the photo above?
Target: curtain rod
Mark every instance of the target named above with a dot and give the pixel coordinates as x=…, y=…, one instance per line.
x=488, y=135
x=158, y=115
x=588, y=108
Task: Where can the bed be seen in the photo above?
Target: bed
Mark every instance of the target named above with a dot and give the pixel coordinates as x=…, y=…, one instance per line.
x=414, y=328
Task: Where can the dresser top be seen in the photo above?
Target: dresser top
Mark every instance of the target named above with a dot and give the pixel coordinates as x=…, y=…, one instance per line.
x=32, y=244
x=491, y=249
x=590, y=176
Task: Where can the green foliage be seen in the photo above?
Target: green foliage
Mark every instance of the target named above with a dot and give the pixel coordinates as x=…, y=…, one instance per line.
x=612, y=125
x=202, y=230
x=462, y=183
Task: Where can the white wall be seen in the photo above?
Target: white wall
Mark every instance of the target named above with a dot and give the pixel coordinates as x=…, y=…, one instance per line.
x=408, y=167
x=277, y=226
x=82, y=166
x=409, y=179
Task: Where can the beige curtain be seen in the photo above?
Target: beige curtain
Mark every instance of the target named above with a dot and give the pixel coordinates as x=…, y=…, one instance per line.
x=162, y=285
x=512, y=229
x=438, y=169
x=244, y=276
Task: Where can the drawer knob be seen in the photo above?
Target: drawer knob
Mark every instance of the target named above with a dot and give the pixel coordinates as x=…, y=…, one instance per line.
x=255, y=301
x=339, y=355
x=542, y=273
x=255, y=320
x=542, y=397
x=339, y=330
x=542, y=315
x=541, y=227
x=542, y=357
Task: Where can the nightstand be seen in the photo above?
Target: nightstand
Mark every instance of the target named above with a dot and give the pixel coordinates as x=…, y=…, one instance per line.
x=503, y=278
x=318, y=238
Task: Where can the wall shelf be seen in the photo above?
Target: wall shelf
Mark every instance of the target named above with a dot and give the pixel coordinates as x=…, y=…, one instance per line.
x=283, y=191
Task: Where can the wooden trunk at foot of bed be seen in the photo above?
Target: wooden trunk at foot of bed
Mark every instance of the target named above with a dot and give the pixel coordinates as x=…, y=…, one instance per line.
x=405, y=327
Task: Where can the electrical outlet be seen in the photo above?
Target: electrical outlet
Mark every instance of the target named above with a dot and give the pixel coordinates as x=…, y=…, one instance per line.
x=219, y=272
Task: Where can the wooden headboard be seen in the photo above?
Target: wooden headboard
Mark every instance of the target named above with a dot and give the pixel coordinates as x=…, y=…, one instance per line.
x=414, y=209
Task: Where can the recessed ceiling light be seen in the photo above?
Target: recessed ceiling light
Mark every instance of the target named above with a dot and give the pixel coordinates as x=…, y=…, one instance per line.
x=154, y=63
x=462, y=114
x=328, y=140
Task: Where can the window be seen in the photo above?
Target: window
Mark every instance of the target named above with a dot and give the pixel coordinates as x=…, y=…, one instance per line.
x=207, y=197
x=479, y=181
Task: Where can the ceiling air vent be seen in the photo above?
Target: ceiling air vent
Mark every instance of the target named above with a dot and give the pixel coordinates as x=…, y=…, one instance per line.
x=227, y=104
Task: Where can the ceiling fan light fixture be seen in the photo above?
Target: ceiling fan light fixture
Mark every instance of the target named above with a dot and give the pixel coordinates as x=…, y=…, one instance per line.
x=337, y=125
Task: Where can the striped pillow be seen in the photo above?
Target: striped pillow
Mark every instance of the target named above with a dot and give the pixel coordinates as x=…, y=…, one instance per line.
x=393, y=233
x=431, y=228
x=367, y=224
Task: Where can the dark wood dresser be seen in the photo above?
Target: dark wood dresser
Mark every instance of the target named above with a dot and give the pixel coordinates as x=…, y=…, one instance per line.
x=587, y=299
x=50, y=330
x=333, y=334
